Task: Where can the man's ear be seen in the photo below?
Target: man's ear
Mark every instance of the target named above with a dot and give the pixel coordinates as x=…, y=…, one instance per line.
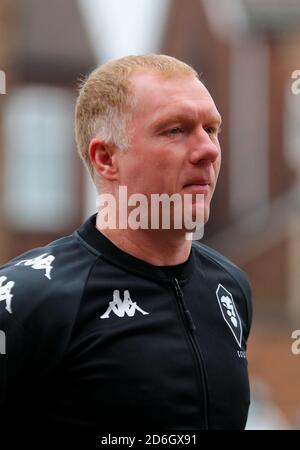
x=103, y=158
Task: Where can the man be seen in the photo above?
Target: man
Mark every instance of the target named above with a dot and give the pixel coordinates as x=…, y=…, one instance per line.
x=128, y=327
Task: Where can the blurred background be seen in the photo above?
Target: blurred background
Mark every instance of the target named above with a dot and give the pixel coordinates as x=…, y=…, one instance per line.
x=246, y=51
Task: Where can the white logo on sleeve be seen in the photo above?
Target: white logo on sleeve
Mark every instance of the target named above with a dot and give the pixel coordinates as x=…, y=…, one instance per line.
x=121, y=307
x=5, y=293
x=42, y=262
x=229, y=313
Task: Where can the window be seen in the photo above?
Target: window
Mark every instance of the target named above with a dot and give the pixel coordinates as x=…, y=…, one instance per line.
x=39, y=159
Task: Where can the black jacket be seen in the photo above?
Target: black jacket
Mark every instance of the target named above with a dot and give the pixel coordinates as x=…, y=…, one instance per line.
x=95, y=338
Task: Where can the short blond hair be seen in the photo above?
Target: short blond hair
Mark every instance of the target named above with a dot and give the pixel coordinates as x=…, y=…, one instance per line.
x=106, y=99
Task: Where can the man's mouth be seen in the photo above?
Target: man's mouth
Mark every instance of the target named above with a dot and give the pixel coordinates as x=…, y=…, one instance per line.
x=197, y=187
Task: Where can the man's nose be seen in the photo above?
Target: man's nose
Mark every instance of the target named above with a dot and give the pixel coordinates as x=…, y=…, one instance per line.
x=204, y=146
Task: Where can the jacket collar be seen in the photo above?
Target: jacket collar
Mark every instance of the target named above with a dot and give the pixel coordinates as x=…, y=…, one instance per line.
x=109, y=251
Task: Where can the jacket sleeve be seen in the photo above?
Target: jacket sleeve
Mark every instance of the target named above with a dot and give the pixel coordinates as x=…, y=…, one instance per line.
x=246, y=288
x=14, y=363
x=28, y=335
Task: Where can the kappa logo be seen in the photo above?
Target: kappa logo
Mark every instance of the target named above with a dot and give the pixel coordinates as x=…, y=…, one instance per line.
x=122, y=307
x=229, y=313
x=5, y=293
x=42, y=262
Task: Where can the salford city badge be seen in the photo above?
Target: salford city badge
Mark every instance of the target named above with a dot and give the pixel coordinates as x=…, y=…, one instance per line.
x=229, y=313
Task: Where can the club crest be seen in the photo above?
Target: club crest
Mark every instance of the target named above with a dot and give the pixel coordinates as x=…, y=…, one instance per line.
x=229, y=313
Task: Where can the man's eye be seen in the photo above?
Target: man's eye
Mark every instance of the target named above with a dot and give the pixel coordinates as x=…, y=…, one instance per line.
x=210, y=130
x=174, y=130
x=213, y=130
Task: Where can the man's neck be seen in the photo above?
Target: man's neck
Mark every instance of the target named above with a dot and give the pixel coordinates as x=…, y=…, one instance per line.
x=156, y=247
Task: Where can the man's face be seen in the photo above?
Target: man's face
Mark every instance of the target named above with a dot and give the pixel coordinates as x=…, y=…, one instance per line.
x=174, y=145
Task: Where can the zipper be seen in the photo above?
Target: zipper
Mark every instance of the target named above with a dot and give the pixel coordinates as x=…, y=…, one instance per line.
x=191, y=327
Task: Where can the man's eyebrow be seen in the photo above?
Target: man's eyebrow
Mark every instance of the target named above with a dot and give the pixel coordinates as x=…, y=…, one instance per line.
x=215, y=119
x=161, y=122
x=218, y=119
x=168, y=119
